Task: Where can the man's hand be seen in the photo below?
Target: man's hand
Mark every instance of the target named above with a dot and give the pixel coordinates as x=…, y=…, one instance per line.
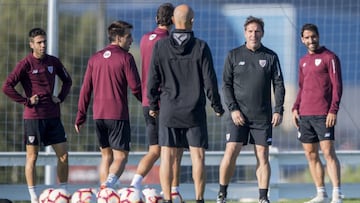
x=34, y=99
x=153, y=113
x=55, y=99
x=77, y=128
x=276, y=119
x=295, y=118
x=237, y=118
x=330, y=120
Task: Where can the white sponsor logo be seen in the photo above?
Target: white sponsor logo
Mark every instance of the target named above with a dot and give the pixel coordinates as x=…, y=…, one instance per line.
x=107, y=54
x=36, y=71
x=241, y=63
x=152, y=36
x=227, y=136
x=317, y=62
x=31, y=139
x=50, y=69
x=262, y=63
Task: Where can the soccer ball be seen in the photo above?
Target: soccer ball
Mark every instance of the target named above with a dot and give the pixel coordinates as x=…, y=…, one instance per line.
x=43, y=198
x=151, y=195
x=108, y=195
x=121, y=190
x=59, y=196
x=176, y=197
x=84, y=195
x=131, y=195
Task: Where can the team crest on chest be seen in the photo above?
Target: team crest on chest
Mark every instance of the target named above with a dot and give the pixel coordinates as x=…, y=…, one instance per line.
x=317, y=62
x=262, y=63
x=50, y=69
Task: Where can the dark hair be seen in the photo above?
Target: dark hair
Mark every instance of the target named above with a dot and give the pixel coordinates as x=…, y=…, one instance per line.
x=252, y=19
x=118, y=28
x=311, y=27
x=164, y=14
x=36, y=32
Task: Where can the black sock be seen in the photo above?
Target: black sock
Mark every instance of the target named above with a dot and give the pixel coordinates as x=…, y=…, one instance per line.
x=223, y=190
x=263, y=193
x=167, y=201
x=200, y=201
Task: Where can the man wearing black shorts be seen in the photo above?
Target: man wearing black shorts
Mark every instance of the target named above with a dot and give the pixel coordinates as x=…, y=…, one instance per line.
x=148, y=40
x=181, y=71
x=42, y=124
x=108, y=75
x=249, y=73
x=315, y=110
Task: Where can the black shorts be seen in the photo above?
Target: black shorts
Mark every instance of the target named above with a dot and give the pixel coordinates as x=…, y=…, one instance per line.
x=184, y=137
x=253, y=133
x=152, y=127
x=113, y=133
x=312, y=129
x=47, y=131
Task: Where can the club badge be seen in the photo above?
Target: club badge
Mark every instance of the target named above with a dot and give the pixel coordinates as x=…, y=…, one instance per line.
x=31, y=139
x=262, y=63
x=152, y=37
x=317, y=62
x=50, y=69
x=107, y=54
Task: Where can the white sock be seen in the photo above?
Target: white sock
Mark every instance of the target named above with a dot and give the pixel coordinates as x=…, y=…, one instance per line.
x=175, y=189
x=33, y=195
x=111, y=180
x=321, y=191
x=136, y=181
x=63, y=185
x=336, y=193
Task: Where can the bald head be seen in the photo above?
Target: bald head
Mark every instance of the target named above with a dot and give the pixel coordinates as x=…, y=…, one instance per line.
x=183, y=17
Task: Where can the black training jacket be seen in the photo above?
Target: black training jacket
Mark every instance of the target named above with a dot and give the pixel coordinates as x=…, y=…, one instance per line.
x=247, y=80
x=180, y=78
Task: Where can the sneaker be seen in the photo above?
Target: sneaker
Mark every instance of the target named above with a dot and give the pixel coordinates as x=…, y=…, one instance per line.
x=318, y=199
x=221, y=198
x=176, y=197
x=264, y=201
x=34, y=200
x=338, y=199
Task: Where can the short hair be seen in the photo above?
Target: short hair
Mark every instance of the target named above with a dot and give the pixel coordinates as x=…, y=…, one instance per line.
x=36, y=32
x=118, y=28
x=311, y=27
x=164, y=14
x=252, y=19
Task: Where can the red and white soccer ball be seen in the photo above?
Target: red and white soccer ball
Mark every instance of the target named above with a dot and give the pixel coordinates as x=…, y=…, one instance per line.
x=131, y=195
x=84, y=195
x=151, y=195
x=59, y=196
x=176, y=197
x=108, y=195
x=43, y=198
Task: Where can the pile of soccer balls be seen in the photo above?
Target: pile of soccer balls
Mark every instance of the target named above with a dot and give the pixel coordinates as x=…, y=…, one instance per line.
x=106, y=195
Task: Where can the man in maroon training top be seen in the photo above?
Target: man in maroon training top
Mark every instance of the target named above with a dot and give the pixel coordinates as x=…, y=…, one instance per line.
x=42, y=124
x=148, y=40
x=109, y=73
x=315, y=110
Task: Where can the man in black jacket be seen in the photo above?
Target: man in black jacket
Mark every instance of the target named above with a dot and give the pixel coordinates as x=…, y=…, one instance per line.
x=181, y=69
x=249, y=72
